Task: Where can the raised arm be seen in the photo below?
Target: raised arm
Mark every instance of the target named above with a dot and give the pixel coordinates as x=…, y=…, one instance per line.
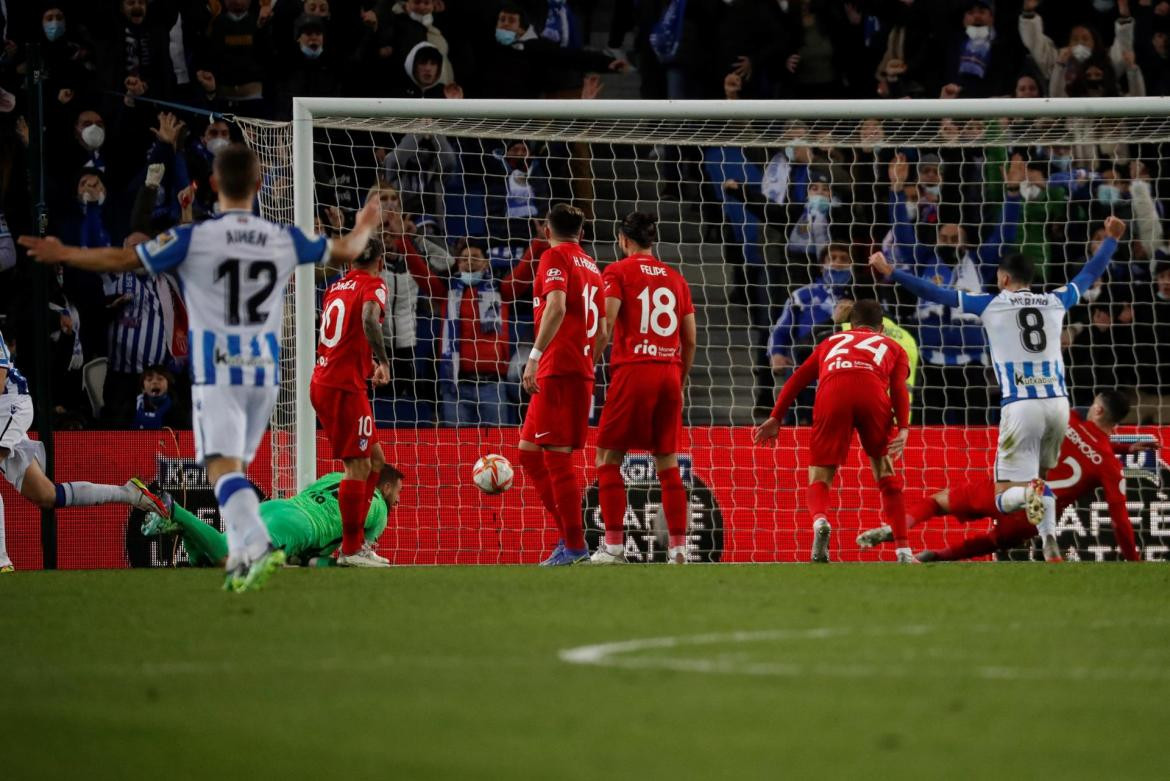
x=883, y=269
x=353, y=244
x=100, y=259
x=1092, y=271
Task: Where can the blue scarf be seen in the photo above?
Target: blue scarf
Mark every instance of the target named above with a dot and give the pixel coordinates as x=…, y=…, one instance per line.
x=666, y=34
x=491, y=320
x=976, y=56
x=561, y=25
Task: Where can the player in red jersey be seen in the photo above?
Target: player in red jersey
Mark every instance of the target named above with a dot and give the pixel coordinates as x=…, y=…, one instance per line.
x=1087, y=461
x=351, y=329
x=862, y=386
x=649, y=312
x=559, y=375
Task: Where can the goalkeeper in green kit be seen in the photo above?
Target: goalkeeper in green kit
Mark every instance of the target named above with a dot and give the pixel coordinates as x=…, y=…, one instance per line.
x=306, y=526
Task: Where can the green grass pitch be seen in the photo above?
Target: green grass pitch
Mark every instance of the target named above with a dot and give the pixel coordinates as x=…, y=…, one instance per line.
x=794, y=671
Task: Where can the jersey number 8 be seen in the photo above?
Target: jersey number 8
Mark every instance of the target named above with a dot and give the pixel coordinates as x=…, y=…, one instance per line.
x=1032, y=335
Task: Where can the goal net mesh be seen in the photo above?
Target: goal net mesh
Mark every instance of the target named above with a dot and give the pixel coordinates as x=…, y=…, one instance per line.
x=771, y=222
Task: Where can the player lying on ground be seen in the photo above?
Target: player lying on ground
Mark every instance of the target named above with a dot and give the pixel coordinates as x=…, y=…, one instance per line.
x=1023, y=333
x=559, y=375
x=234, y=269
x=22, y=460
x=649, y=311
x=307, y=526
x=861, y=385
x=351, y=331
x=1087, y=461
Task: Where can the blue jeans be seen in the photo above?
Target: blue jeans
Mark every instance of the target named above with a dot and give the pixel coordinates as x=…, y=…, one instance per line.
x=472, y=403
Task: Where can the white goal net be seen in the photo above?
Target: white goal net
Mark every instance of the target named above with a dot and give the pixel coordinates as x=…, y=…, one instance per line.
x=769, y=210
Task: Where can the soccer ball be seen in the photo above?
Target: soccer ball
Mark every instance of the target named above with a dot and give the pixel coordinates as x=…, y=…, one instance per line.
x=492, y=474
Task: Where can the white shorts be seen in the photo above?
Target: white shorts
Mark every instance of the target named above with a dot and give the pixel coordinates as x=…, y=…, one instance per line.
x=230, y=420
x=16, y=416
x=1030, y=433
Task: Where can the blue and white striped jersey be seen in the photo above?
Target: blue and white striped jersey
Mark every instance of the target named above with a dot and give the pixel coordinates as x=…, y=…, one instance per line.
x=138, y=334
x=1023, y=333
x=233, y=271
x=15, y=384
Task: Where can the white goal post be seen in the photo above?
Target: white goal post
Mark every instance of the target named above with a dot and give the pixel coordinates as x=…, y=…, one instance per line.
x=290, y=153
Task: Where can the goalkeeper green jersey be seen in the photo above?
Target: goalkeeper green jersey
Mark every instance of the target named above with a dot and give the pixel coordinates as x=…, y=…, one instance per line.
x=310, y=522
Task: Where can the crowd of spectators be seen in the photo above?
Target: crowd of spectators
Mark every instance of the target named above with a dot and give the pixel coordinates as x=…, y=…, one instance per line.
x=139, y=94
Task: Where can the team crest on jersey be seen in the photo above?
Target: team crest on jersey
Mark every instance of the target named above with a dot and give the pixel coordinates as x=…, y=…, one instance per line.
x=363, y=443
x=380, y=294
x=160, y=241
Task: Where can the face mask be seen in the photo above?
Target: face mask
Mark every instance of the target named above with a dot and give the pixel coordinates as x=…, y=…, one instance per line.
x=790, y=153
x=980, y=33
x=784, y=6
x=818, y=204
x=1031, y=192
x=505, y=37
x=99, y=199
x=1102, y=6
x=1061, y=162
x=238, y=17
x=424, y=19
x=932, y=190
x=947, y=253
x=311, y=53
x=53, y=30
x=216, y=144
x=470, y=277
x=1108, y=194
x=837, y=277
x=1080, y=52
x=93, y=136
x=912, y=211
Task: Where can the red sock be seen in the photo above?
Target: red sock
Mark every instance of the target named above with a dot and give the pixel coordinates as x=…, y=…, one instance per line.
x=611, y=492
x=674, y=504
x=894, y=508
x=818, y=499
x=567, y=490
x=922, y=511
x=537, y=472
x=973, y=500
x=351, y=497
x=981, y=545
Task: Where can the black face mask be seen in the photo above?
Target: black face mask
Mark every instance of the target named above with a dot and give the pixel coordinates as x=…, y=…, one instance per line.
x=947, y=253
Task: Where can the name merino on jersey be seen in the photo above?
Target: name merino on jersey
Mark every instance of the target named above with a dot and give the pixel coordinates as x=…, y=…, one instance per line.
x=1023, y=333
x=233, y=270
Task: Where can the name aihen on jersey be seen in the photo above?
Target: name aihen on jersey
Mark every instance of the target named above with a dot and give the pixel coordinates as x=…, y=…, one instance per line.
x=233, y=270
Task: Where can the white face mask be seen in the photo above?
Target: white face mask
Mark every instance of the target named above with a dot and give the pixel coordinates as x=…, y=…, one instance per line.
x=93, y=136
x=99, y=199
x=978, y=33
x=216, y=144
x=1031, y=192
x=1080, y=52
x=424, y=19
x=912, y=211
x=784, y=5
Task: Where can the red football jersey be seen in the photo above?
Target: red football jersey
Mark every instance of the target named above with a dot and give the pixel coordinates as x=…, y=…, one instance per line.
x=344, y=358
x=566, y=267
x=655, y=299
x=856, y=361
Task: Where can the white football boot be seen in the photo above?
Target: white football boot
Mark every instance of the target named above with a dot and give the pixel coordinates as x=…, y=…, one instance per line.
x=820, y=549
x=607, y=554
x=363, y=558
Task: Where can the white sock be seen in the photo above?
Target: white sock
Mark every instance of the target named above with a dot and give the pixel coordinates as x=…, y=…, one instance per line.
x=614, y=550
x=1011, y=499
x=900, y=552
x=82, y=494
x=4, y=560
x=240, y=509
x=1048, y=525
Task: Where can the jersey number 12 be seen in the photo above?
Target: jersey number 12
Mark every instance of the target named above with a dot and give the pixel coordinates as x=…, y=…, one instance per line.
x=229, y=273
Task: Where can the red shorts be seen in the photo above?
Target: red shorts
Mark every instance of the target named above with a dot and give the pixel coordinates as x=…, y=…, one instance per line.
x=347, y=420
x=975, y=501
x=840, y=411
x=643, y=409
x=559, y=414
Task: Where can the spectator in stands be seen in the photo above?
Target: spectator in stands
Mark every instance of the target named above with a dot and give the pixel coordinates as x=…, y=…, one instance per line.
x=418, y=167
x=1152, y=332
x=413, y=22
x=157, y=406
x=1061, y=68
x=137, y=339
x=423, y=70
x=913, y=207
x=520, y=62
x=1094, y=357
x=312, y=71
x=810, y=306
x=134, y=52
x=1152, y=46
x=517, y=190
x=233, y=65
x=408, y=278
x=476, y=349
x=908, y=68
x=979, y=62
x=68, y=58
